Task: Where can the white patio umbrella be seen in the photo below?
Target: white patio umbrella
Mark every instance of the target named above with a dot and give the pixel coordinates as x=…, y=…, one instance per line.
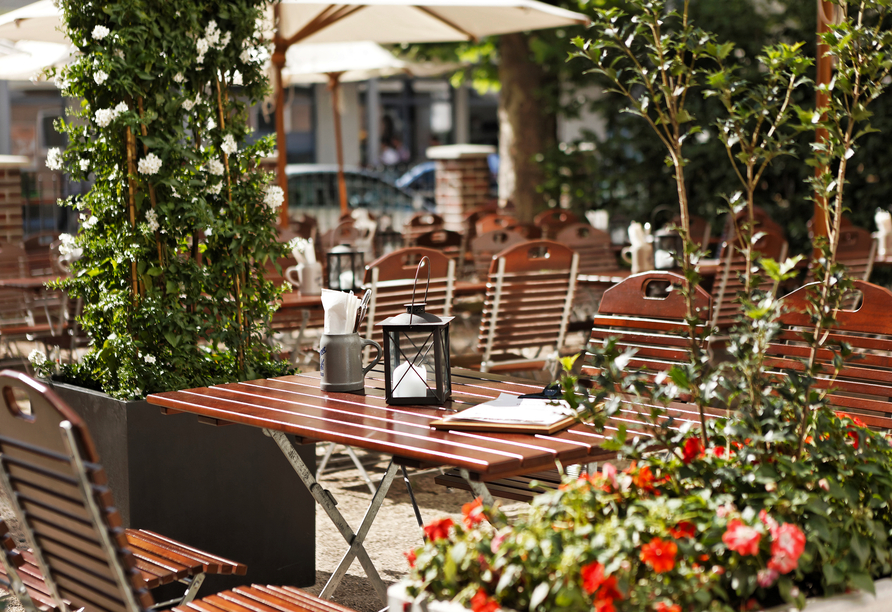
x=26, y=59
x=337, y=63
x=40, y=21
x=398, y=21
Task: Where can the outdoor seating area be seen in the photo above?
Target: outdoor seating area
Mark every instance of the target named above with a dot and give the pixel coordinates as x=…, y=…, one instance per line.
x=445, y=306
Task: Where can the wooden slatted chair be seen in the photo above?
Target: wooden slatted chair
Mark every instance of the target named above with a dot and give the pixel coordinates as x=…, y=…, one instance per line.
x=391, y=280
x=643, y=315
x=857, y=251
x=529, y=296
x=862, y=386
x=447, y=242
x=495, y=221
x=79, y=556
x=19, y=322
x=553, y=221
x=729, y=282
x=421, y=223
x=596, y=255
x=485, y=247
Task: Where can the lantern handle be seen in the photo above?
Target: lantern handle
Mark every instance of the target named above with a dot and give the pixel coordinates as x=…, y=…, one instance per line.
x=415, y=282
x=334, y=232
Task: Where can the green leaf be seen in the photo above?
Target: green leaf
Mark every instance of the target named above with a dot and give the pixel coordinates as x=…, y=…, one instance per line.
x=172, y=338
x=863, y=582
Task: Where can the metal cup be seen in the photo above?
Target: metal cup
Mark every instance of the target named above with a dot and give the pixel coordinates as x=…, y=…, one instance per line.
x=340, y=361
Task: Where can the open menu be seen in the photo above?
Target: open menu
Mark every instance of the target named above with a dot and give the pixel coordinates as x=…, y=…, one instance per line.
x=512, y=414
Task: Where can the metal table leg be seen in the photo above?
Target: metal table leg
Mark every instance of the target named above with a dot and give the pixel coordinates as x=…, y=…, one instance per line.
x=325, y=499
x=477, y=488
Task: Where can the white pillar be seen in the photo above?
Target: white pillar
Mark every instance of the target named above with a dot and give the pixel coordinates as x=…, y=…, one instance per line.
x=5, y=119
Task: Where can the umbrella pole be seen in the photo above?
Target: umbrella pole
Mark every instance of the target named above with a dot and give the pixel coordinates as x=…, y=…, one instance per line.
x=334, y=84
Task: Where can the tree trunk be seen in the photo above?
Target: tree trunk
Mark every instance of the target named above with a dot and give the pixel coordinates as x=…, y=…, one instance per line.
x=526, y=128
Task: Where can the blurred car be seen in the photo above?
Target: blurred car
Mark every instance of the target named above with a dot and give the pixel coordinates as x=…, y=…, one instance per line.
x=316, y=186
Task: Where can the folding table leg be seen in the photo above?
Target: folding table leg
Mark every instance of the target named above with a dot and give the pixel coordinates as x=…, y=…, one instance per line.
x=477, y=488
x=325, y=499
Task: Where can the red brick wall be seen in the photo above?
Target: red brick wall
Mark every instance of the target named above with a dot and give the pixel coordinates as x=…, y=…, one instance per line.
x=11, y=205
x=462, y=184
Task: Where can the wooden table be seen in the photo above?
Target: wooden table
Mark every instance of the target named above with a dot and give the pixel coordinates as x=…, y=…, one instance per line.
x=295, y=406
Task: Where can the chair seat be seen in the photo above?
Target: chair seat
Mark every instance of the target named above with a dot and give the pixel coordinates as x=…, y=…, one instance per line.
x=160, y=561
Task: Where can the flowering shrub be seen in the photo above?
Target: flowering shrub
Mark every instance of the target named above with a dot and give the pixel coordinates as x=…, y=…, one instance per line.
x=179, y=224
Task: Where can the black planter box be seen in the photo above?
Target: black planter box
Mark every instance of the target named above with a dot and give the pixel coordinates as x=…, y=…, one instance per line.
x=227, y=490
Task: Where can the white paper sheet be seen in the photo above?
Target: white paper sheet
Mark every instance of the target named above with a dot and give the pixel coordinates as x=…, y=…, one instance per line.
x=513, y=410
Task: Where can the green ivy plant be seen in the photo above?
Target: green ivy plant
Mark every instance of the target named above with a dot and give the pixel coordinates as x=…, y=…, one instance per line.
x=180, y=222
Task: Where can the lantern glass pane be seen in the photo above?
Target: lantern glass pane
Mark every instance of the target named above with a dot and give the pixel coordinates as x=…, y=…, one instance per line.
x=413, y=363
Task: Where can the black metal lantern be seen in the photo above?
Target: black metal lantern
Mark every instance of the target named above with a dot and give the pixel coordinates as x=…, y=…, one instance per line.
x=416, y=355
x=346, y=268
x=668, y=249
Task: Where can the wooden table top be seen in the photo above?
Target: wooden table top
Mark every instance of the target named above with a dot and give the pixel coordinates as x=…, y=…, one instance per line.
x=296, y=405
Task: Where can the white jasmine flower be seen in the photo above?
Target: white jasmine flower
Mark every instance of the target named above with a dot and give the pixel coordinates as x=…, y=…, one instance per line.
x=37, y=358
x=119, y=54
x=89, y=222
x=103, y=117
x=61, y=82
x=215, y=189
x=152, y=220
x=100, y=77
x=229, y=146
x=54, y=159
x=225, y=40
x=66, y=244
x=273, y=197
x=212, y=34
x=237, y=78
x=248, y=53
x=34, y=78
x=174, y=193
x=188, y=104
x=100, y=32
x=121, y=108
x=178, y=77
x=215, y=167
x=85, y=165
x=150, y=164
x=202, y=45
x=150, y=359
x=211, y=123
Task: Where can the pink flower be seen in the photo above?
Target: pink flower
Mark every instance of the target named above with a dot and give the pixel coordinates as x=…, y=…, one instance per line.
x=768, y=522
x=742, y=538
x=824, y=484
x=497, y=542
x=725, y=510
x=766, y=577
x=787, y=547
x=609, y=473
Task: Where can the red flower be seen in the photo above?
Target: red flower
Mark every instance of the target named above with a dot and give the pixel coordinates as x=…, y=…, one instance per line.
x=742, y=538
x=659, y=555
x=684, y=529
x=472, y=513
x=662, y=606
x=604, y=605
x=592, y=577
x=482, y=603
x=768, y=522
x=718, y=451
x=787, y=547
x=644, y=480
x=693, y=448
x=608, y=589
x=438, y=529
x=410, y=557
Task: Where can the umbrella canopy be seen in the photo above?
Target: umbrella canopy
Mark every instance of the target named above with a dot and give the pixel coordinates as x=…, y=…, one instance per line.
x=417, y=21
x=355, y=61
x=26, y=59
x=40, y=21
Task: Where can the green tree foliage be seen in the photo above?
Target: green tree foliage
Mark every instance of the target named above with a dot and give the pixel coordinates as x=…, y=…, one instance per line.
x=179, y=225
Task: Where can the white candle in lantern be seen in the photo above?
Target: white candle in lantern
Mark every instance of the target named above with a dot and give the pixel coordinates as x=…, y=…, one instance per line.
x=409, y=384
x=346, y=280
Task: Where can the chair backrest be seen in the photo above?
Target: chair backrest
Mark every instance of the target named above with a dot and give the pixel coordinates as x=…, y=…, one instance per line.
x=52, y=478
x=391, y=279
x=646, y=313
x=529, y=296
x=13, y=261
x=862, y=386
x=729, y=282
x=495, y=221
x=552, y=221
x=446, y=241
x=856, y=250
x=421, y=223
x=763, y=223
x=596, y=254
x=485, y=247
